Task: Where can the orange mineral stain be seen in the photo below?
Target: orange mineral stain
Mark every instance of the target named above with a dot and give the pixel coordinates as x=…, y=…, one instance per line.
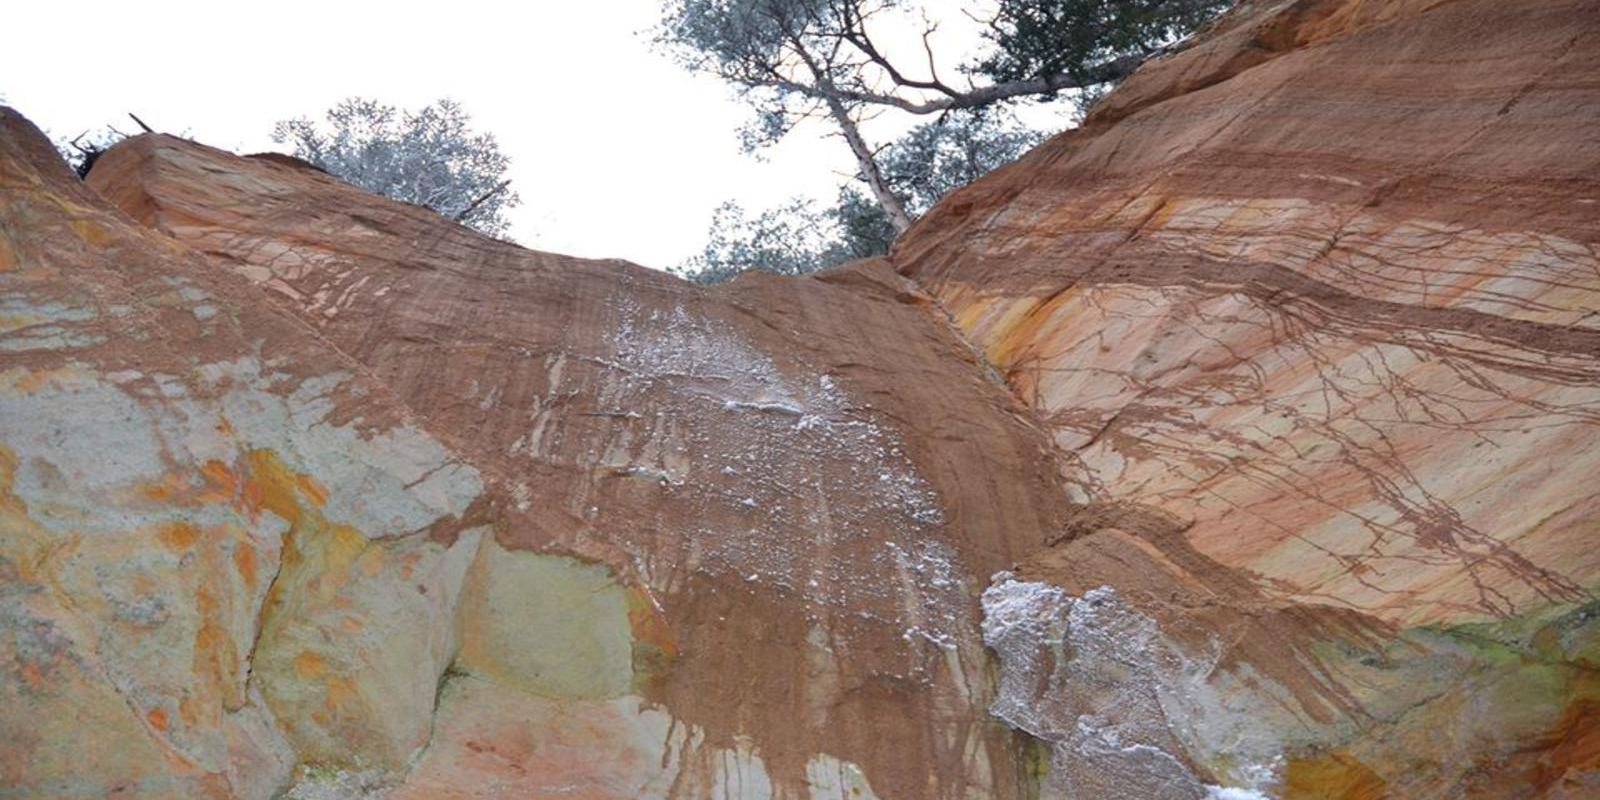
x=213, y=659
x=178, y=536
x=340, y=690
x=313, y=490
x=244, y=560
x=221, y=484
x=371, y=562
x=648, y=624
x=272, y=486
x=309, y=665
x=189, y=710
x=1576, y=744
x=32, y=676
x=34, y=380
x=92, y=232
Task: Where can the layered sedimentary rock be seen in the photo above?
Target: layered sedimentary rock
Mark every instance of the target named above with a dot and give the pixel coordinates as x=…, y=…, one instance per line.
x=201, y=505
x=1235, y=444
x=1310, y=309
x=738, y=534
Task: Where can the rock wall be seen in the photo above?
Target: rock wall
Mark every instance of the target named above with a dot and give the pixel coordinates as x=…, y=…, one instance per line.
x=738, y=533
x=1332, y=308
x=1309, y=309
x=1233, y=445
x=222, y=544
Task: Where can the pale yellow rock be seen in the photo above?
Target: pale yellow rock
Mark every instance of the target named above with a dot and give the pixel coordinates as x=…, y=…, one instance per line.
x=355, y=639
x=549, y=625
x=146, y=491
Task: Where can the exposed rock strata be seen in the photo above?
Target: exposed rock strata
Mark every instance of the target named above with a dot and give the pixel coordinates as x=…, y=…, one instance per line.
x=200, y=505
x=800, y=488
x=1339, y=321
x=1278, y=411
x=1310, y=308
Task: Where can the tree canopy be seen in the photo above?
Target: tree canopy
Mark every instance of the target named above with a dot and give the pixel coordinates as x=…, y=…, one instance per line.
x=787, y=51
x=1078, y=41
x=799, y=60
x=431, y=157
x=804, y=236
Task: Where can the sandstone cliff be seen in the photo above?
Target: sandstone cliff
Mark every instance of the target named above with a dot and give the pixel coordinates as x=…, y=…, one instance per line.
x=797, y=488
x=1236, y=444
x=192, y=485
x=1311, y=310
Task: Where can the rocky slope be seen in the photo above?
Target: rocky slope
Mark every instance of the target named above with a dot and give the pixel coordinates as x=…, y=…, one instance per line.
x=203, y=511
x=799, y=488
x=1312, y=307
x=1236, y=444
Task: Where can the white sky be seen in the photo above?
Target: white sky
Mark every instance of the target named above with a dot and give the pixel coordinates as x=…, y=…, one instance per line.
x=616, y=151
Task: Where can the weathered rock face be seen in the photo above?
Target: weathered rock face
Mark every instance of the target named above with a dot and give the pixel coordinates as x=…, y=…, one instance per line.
x=200, y=502
x=1343, y=320
x=737, y=538
x=1271, y=396
x=788, y=494
x=1310, y=310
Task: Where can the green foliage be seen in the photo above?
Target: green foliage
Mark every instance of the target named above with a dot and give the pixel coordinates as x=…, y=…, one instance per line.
x=741, y=40
x=864, y=230
x=793, y=60
x=785, y=57
x=800, y=237
x=431, y=157
x=793, y=239
x=938, y=157
x=1041, y=38
x=780, y=55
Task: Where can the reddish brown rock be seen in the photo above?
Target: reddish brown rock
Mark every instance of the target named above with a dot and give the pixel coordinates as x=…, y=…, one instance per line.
x=1278, y=413
x=1309, y=308
x=803, y=486
x=1341, y=321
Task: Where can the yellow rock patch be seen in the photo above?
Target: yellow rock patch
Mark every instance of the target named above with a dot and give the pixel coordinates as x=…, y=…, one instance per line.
x=178, y=536
x=1335, y=776
x=550, y=625
x=309, y=665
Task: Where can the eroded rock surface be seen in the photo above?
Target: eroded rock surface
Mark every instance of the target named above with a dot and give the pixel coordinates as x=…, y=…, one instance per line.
x=794, y=490
x=1310, y=310
x=1238, y=444
x=199, y=500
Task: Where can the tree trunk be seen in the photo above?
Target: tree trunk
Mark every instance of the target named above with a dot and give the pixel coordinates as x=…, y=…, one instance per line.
x=887, y=199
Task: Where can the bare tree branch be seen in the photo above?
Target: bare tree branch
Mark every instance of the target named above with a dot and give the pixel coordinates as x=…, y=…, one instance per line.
x=473, y=206
x=955, y=100
x=795, y=60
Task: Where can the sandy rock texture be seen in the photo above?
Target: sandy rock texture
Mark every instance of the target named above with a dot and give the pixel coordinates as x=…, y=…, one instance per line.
x=1238, y=444
x=213, y=527
x=1310, y=311
x=749, y=525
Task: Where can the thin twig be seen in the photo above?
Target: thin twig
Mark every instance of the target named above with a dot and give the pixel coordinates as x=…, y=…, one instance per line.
x=500, y=187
